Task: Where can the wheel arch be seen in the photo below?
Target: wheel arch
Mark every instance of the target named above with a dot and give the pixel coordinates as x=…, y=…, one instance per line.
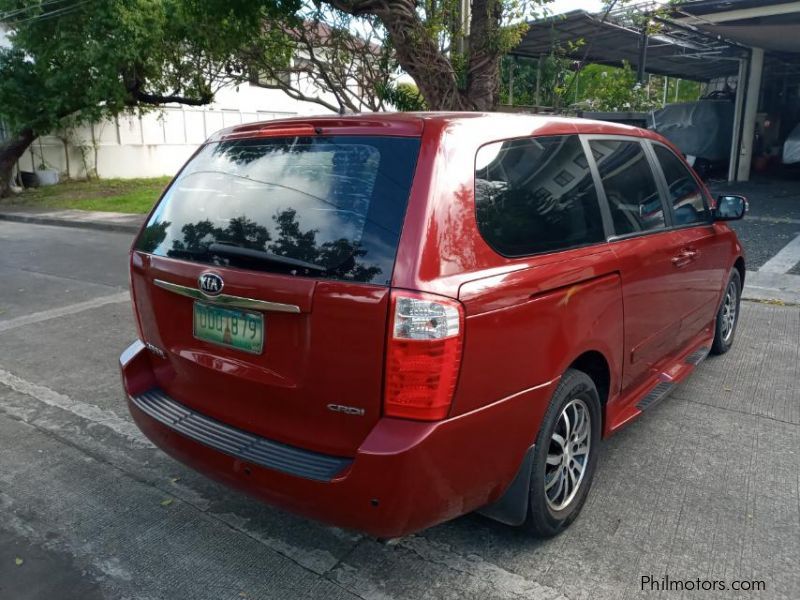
x=595, y=365
x=739, y=266
x=512, y=507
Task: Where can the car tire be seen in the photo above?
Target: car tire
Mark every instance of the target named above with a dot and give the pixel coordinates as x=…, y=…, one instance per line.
x=557, y=492
x=728, y=314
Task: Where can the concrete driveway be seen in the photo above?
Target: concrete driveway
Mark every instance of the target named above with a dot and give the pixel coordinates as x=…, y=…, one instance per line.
x=703, y=488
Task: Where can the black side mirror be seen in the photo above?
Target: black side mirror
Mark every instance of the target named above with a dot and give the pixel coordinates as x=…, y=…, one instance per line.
x=730, y=208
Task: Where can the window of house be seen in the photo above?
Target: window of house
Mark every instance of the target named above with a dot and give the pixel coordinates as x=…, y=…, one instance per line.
x=261, y=79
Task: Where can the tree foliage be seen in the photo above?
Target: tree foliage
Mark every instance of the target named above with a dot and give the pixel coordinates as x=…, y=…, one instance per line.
x=73, y=62
x=594, y=87
x=338, y=61
x=404, y=97
x=606, y=88
x=453, y=54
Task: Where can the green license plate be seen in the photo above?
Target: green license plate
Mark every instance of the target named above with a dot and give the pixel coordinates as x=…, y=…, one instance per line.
x=228, y=327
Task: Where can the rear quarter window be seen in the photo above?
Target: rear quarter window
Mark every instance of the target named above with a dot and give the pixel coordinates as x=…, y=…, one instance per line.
x=322, y=206
x=536, y=195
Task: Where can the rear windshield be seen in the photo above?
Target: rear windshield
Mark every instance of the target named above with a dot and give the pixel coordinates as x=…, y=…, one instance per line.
x=326, y=206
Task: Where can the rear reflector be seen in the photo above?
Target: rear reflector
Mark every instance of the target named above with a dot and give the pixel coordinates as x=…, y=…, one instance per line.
x=423, y=356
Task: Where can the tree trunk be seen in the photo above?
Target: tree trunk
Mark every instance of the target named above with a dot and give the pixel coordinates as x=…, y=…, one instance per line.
x=420, y=57
x=483, y=71
x=419, y=54
x=10, y=152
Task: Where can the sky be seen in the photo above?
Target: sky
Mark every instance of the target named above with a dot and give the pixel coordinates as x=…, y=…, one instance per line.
x=562, y=6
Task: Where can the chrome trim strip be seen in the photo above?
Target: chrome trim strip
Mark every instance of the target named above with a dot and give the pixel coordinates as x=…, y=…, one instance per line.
x=130, y=353
x=227, y=300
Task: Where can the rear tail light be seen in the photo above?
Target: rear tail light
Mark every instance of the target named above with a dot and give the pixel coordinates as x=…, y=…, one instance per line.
x=423, y=356
x=134, y=259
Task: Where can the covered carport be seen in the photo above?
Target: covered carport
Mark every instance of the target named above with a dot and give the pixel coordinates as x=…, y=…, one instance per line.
x=770, y=30
x=755, y=43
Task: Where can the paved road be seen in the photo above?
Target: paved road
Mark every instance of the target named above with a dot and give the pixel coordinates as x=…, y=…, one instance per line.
x=773, y=220
x=703, y=486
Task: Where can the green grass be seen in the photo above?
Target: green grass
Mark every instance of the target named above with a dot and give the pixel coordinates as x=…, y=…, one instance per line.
x=114, y=195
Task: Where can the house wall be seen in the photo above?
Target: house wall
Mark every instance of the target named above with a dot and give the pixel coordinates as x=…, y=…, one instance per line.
x=158, y=142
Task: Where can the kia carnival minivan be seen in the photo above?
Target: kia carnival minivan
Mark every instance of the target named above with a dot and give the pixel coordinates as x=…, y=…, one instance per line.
x=387, y=321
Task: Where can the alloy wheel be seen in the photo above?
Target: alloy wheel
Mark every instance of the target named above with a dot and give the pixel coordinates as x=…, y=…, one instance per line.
x=729, y=306
x=568, y=454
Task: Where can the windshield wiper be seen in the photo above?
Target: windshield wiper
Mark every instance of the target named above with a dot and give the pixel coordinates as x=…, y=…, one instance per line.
x=239, y=251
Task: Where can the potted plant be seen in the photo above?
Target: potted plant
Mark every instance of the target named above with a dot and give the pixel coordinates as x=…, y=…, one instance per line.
x=44, y=174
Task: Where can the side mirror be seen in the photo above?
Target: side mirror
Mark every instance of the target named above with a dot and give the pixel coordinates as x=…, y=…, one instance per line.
x=730, y=208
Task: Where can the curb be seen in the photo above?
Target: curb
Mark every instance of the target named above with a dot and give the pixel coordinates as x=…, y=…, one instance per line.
x=772, y=288
x=96, y=225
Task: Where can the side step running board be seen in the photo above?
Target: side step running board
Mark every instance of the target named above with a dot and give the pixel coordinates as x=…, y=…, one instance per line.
x=656, y=395
x=696, y=357
x=662, y=390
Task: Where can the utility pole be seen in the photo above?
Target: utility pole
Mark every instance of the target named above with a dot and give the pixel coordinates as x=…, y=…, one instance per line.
x=461, y=26
x=640, y=72
x=512, y=62
x=538, y=99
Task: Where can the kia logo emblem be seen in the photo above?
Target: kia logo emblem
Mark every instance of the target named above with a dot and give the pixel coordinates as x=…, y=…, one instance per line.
x=210, y=284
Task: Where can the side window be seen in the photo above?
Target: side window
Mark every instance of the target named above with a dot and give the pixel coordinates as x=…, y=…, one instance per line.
x=536, y=195
x=629, y=184
x=687, y=200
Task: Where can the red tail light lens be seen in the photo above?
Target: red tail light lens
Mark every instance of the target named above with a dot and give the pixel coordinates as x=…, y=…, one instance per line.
x=423, y=357
x=134, y=261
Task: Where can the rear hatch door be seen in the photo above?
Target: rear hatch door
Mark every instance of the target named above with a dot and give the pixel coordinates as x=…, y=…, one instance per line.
x=263, y=276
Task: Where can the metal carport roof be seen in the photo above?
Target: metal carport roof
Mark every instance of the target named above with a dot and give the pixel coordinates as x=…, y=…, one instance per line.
x=676, y=51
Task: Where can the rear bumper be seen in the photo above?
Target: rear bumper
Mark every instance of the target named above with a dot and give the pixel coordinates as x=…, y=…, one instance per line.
x=405, y=476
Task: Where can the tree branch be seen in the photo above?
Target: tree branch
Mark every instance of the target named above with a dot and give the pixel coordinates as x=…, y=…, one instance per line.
x=296, y=94
x=140, y=97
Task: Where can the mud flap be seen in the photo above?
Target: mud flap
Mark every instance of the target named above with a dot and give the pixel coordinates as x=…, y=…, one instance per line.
x=512, y=507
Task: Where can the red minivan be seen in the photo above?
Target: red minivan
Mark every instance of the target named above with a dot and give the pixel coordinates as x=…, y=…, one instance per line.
x=386, y=321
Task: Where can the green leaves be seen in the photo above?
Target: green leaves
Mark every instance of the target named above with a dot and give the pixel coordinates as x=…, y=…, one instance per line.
x=97, y=59
x=404, y=97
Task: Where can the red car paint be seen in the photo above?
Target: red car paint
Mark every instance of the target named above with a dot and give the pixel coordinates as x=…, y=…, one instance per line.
x=639, y=305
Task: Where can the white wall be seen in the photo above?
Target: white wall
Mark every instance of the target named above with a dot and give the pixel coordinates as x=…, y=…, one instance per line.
x=158, y=142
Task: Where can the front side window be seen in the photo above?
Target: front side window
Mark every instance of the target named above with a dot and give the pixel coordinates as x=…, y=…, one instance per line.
x=629, y=185
x=536, y=195
x=688, y=204
x=320, y=206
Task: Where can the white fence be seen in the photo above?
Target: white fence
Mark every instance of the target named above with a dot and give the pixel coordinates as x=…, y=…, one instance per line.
x=153, y=144
x=158, y=142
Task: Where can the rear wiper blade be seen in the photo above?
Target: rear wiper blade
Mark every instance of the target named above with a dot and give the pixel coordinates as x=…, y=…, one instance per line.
x=262, y=255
